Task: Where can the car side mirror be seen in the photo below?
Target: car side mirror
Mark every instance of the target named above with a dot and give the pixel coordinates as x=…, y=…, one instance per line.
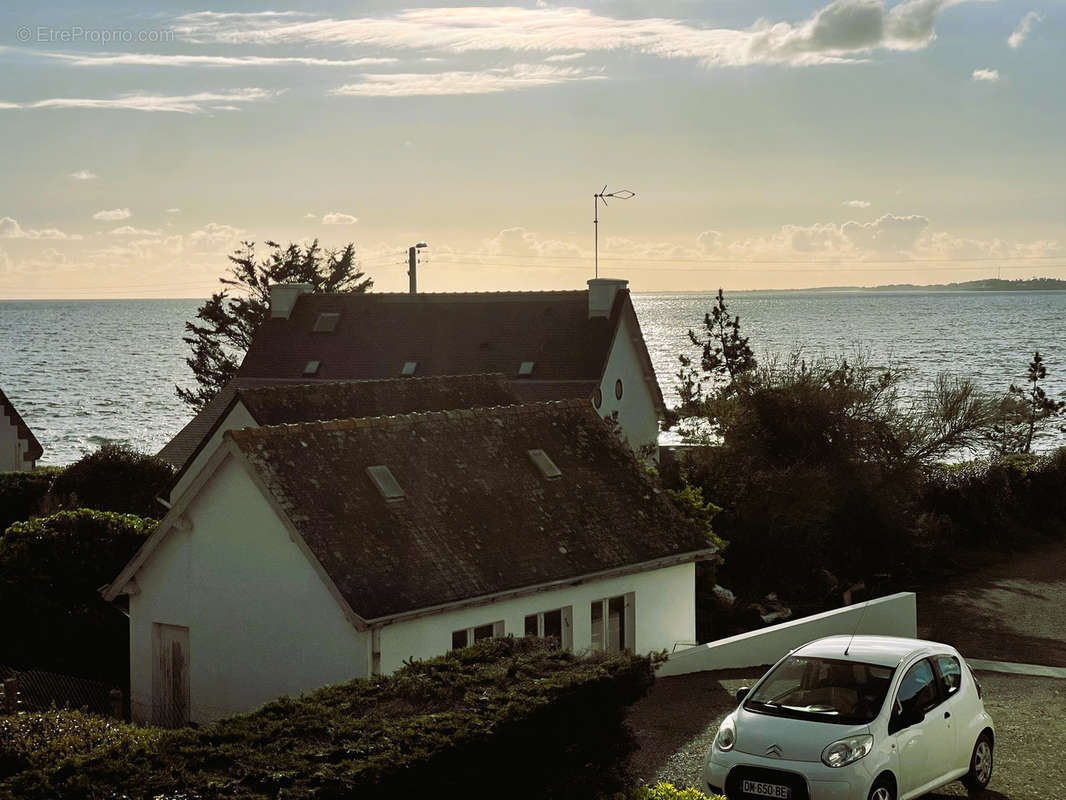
x=742, y=692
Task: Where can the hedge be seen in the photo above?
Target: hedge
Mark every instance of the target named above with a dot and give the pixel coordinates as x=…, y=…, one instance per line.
x=114, y=478
x=507, y=716
x=50, y=571
x=22, y=494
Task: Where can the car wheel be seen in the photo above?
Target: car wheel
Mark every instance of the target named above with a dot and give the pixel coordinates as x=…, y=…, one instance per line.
x=882, y=790
x=980, y=765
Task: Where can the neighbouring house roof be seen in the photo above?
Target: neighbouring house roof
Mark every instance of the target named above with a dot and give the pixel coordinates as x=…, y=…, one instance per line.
x=34, y=450
x=273, y=403
x=376, y=334
x=478, y=517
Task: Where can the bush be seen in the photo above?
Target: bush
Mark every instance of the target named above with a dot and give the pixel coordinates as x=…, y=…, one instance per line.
x=22, y=494
x=465, y=724
x=50, y=570
x=665, y=791
x=114, y=478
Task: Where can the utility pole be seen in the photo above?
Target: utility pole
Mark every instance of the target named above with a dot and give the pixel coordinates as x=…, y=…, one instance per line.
x=412, y=265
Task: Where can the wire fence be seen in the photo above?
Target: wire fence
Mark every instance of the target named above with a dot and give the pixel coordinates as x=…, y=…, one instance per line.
x=37, y=690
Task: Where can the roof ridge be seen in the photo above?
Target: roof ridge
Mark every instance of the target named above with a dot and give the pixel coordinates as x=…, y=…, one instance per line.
x=411, y=418
x=430, y=295
x=269, y=387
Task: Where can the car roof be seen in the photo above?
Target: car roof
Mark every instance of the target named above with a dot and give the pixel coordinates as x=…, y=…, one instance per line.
x=887, y=651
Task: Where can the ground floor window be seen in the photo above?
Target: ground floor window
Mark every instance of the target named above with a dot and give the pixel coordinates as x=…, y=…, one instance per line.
x=557, y=623
x=613, y=622
x=467, y=636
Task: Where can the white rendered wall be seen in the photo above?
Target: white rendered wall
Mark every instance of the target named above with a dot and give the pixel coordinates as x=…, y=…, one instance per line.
x=665, y=613
x=894, y=615
x=238, y=418
x=261, y=622
x=636, y=409
x=12, y=448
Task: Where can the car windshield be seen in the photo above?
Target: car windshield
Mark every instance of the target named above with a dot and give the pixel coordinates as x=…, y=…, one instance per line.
x=822, y=689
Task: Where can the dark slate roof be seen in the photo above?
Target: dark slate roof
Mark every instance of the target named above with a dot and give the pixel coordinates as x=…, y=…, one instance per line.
x=35, y=451
x=272, y=403
x=478, y=517
x=446, y=334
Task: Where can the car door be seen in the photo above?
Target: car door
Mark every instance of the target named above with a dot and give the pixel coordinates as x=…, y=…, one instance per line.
x=918, y=732
x=956, y=753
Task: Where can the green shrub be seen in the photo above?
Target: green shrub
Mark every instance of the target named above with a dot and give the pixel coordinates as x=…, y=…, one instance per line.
x=665, y=791
x=114, y=478
x=50, y=571
x=22, y=494
x=513, y=715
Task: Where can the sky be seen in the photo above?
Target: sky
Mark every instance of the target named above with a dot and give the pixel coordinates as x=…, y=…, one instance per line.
x=770, y=144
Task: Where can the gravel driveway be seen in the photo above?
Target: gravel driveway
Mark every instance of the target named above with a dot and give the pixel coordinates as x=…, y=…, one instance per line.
x=676, y=722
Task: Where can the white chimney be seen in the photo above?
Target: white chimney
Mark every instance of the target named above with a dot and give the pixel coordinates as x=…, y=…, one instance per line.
x=602, y=292
x=283, y=297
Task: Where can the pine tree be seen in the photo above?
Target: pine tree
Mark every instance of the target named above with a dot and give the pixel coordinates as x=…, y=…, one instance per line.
x=230, y=318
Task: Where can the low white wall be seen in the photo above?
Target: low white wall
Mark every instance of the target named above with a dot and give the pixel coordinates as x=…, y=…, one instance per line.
x=894, y=615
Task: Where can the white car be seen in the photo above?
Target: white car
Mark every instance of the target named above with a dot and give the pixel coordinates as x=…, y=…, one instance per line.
x=818, y=725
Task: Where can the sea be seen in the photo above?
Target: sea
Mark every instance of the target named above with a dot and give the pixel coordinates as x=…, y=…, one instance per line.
x=83, y=373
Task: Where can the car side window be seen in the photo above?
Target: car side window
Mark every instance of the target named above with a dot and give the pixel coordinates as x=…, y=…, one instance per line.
x=950, y=674
x=917, y=690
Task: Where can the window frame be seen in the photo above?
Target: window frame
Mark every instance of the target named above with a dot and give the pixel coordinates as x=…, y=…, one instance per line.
x=498, y=632
x=627, y=624
x=945, y=693
x=566, y=640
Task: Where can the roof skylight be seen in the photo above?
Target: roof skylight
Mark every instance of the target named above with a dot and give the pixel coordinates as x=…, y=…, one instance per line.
x=525, y=369
x=544, y=463
x=326, y=322
x=409, y=368
x=311, y=367
x=386, y=483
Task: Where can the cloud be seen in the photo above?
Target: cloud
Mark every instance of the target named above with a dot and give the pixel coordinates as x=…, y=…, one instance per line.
x=709, y=241
x=991, y=75
x=519, y=241
x=337, y=218
x=310, y=215
x=172, y=211
x=185, y=104
x=10, y=229
x=840, y=32
x=409, y=84
x=214, y=237
x=856, y=203
x=178, y=60
x=565, y=57
x=129, y=230
x=1025, y=25
x=5, y=263
x=83, y=175
x=887, y=233
x=113, y=214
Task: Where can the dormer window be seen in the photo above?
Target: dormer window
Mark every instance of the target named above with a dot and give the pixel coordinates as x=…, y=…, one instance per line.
x=544, y=463
x=409, y=368
x=386, y=483
x=525, y=369
x=326, y=322
x=311, y=368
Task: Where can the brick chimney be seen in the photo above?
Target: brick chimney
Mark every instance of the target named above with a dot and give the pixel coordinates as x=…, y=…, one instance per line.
x=283, y=297
x=602, y=292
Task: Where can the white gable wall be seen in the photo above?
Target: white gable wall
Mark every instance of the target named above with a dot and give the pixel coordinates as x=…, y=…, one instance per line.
x=636, y=410
x=261, y=622
x=12, y=448
x=237, y=418
x=664, y=605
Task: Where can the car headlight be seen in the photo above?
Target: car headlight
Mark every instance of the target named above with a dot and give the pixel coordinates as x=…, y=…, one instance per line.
x=847, y=751
x=727, y=734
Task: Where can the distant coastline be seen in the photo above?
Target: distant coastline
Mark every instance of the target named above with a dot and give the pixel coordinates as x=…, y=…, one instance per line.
x=985, y=285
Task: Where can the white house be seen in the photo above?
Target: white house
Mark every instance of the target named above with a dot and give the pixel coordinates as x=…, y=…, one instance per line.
x=302, y=555
x=547, y=345
x=19, y=448
x=247, y=403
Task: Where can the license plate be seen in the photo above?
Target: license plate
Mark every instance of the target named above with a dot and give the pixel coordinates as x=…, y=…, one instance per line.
x=766, y=789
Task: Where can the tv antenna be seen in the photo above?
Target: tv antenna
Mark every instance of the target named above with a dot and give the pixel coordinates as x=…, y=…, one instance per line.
x=603, y=194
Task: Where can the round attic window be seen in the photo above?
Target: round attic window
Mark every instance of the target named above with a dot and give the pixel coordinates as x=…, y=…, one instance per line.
x=618, y=388
x=597, y=397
